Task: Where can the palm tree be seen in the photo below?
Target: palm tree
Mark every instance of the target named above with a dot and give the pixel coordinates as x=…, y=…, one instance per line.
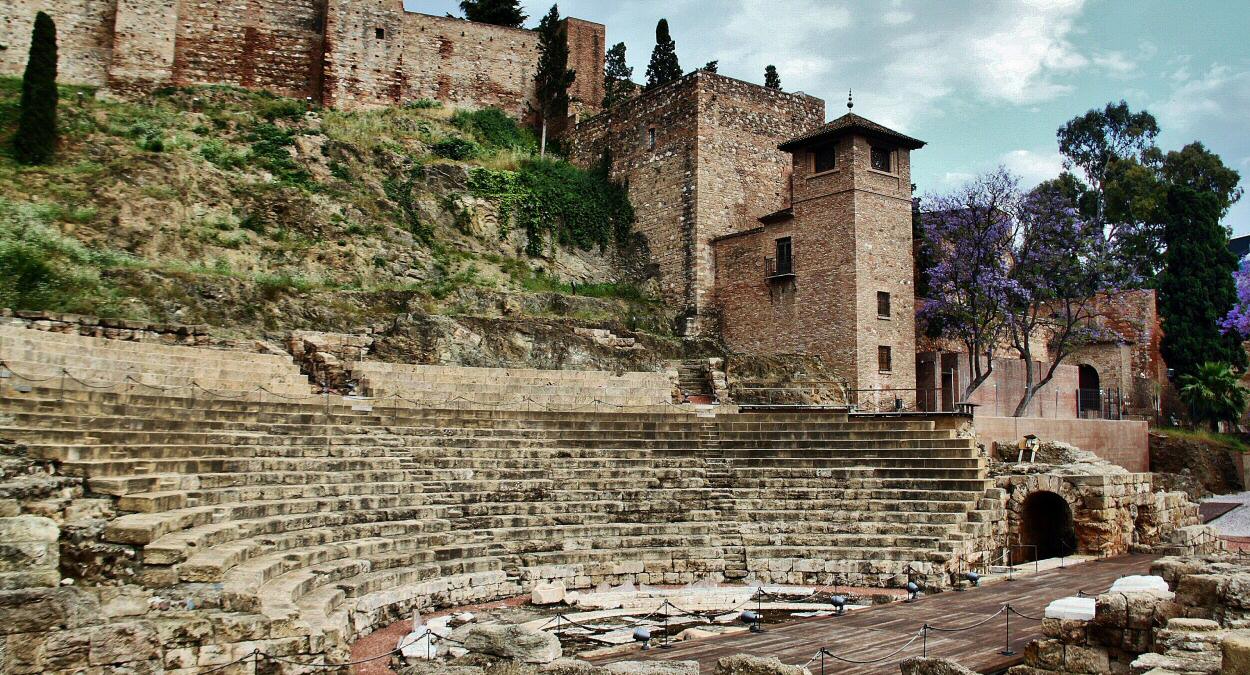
x=1214, y=394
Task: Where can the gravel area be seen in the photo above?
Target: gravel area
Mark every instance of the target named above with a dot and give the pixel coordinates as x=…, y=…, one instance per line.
x=1235, y=523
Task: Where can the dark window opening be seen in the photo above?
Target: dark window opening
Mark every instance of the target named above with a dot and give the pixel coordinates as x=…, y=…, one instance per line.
x=785, y=256
x=379, y=33
x=884, y=359
x=651, y=138
x=883, y=304
x=881, y=159
x=823, y=159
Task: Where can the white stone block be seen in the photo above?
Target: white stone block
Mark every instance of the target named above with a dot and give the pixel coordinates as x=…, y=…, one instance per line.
x=1138, y=583
x=1071, y=608
x=547, y=594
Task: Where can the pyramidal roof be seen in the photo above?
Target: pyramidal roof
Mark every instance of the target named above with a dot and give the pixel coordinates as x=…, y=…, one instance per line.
x=847, y=123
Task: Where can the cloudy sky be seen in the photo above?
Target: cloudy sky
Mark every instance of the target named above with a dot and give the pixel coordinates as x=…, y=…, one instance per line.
x=985, y=82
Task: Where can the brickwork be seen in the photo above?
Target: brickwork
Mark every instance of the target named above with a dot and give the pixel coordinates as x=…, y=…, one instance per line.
x=850, y=229
x=345, y=53
x=713, y=167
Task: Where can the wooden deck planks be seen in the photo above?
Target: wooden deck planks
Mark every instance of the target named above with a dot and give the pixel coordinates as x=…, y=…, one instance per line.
x=874, y=633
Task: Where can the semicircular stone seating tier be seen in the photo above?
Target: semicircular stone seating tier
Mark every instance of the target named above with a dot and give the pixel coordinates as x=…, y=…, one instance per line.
x=322, y=522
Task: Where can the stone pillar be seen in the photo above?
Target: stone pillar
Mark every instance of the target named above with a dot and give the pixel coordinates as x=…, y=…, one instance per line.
x=29, y=556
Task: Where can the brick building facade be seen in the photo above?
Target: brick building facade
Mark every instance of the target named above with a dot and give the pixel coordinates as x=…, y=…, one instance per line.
x=831, y=274
x=699, y=158
x=343, y=53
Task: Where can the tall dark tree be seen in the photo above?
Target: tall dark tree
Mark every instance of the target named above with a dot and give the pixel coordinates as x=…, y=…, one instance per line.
x=1113, y=150
x=771, y=79
x=712, y=66
x=553, y=77
x=35, y=141
x=618, y=83
x=664, y=67
x=1196, y=167
x=1196, y=287
x=499, y=12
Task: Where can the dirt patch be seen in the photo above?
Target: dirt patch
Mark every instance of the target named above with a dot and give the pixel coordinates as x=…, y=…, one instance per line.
x=1194, y=464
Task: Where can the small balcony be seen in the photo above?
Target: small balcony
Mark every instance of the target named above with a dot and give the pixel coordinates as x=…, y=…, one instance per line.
x=774, y=272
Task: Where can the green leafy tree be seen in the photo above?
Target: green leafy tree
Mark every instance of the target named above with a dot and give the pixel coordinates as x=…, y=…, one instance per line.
x=1196, y=167
x=36, y=137
x=498, y=12
x=664, y=67
x=1213, y=394
x=771, y=79
x=553, y=77
x=1113, y=150
x=712, y=66
x=1196, y=288
x=618, y=84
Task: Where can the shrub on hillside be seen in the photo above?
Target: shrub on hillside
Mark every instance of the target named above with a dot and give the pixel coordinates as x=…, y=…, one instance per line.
x=495, y=129
x=456, y=148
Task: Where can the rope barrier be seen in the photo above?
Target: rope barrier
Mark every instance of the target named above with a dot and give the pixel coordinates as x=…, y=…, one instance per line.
x=887, y=657
x=1022, y=615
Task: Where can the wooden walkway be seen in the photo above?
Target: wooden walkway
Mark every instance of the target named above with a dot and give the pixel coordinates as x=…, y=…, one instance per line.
x=876, y=632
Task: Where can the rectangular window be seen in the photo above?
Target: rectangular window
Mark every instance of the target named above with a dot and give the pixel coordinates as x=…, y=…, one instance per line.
x=881, y=159
x=884, y=359
x=785, y=256
x=883, y=305
x=379, y=33
x=651, y=138
x=823, y=159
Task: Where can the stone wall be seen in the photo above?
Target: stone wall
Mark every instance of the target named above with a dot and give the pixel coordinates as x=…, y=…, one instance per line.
x=850, y=231
x=344, y=53
x=699, y=159
x=114, y=329
x=1125, y=443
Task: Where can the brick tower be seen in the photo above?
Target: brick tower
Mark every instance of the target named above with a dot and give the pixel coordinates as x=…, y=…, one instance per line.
x=831, y=274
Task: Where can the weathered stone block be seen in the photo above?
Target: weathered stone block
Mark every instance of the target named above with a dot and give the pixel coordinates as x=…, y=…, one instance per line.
x=123, y=642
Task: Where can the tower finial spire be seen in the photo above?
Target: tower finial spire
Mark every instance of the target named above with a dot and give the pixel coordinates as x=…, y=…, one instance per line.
x=850, y=103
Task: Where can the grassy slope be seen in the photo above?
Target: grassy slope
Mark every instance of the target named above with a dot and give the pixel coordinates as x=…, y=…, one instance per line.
x=237, y=208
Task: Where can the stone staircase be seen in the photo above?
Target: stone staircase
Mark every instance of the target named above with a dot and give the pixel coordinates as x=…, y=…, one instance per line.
x=695, y=381
x=325, y=518
x=512, y=387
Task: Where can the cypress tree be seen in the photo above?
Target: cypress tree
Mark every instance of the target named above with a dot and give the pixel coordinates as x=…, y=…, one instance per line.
x=771, y=79
x=553, y=77
x=1196, y=287
x=617, y=85
x=498, y=12
x=712, y=66
x=664, y=67
x=36, y=137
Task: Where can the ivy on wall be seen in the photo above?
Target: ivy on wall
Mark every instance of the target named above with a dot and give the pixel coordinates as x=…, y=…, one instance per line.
x=552, y=200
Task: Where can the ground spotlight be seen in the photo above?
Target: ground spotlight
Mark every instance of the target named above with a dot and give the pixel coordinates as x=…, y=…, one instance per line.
x=974, y=579
x=643, y=634
x=839, y=604
x=752, y=619
x=912, y=591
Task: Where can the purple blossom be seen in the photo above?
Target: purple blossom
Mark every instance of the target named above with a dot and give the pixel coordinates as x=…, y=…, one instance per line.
x=1238, y=318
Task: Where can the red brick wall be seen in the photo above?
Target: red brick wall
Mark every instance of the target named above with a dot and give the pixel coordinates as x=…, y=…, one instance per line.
x=84, y=37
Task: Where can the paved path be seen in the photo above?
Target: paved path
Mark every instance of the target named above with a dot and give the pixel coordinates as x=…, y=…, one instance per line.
x=1235, y=523
x=876, y=632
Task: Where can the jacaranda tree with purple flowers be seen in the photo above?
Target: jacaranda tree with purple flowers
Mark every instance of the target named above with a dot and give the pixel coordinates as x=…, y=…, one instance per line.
x=1012, y=268
x=968, y=235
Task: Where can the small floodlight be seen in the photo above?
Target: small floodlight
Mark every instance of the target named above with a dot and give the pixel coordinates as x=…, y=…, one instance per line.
x=752, y=619
x=912, y=591
x=974, y=578
x=643, y=634
x=839, y=604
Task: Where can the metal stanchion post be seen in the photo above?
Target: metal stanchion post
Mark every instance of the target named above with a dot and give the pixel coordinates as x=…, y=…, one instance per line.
x=1007, y=651
x=924, y=641
x=666, y=645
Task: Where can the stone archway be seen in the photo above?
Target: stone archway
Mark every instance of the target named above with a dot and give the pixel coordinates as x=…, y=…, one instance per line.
x=1047, y=528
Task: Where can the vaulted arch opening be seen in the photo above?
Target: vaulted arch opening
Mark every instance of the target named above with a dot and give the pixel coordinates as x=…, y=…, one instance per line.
x=1047, y=529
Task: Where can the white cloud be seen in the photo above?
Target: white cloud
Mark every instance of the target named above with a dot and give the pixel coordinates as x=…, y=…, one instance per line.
x=1115, y=62
x=895, y=17
x=1033, y=166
